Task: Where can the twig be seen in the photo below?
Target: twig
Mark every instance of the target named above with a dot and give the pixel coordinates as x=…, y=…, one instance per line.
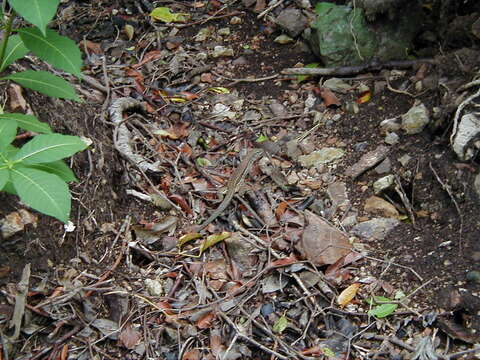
x=270, y=8
x=460, y=108
x=447, y=188
x=353, y=70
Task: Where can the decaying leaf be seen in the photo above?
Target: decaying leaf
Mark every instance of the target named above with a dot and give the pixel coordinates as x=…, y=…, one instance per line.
x=206, y=321
x=213, y=239
x=187, y=238
x=348, y=294
x=129, y=337
x=280, y=325
x=129, y=30
x=329, y=98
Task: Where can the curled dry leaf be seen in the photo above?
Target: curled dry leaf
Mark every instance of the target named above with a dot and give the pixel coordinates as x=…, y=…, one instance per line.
x=206, y=321
x=328, y=97
x=348, y=294
x=192, y=355
x=129, y=337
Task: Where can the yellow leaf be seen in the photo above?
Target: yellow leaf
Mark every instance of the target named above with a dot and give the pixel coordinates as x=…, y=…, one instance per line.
x=165, y=133
x=212, y=240
x=348, y=294
x=187, y=238
x=219, y=90
x=129, y=30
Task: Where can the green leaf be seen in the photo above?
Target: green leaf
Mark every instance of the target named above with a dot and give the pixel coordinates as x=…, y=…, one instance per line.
x=383, y=310
x=9, y=152
x=301, y=78
x=45, y=83
x=165, y=14
x=57, y=50
x=58, y=168
x=8, y=131
x=4, y=177
x=9, y=188
x=42, y=191
x=280, y=325
x=27, y=122
x=38, y=12
x=49, y=148
x=14, y=51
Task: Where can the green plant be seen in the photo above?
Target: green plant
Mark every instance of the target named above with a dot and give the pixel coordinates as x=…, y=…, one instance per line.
x=36, y=172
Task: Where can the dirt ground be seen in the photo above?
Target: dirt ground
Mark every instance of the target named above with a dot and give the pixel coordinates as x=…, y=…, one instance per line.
x=117, y=286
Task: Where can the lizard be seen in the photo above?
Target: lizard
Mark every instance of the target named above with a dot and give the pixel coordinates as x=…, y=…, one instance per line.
x=233, y=183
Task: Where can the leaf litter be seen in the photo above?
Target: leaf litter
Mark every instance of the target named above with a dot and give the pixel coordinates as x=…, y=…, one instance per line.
x=265, y=278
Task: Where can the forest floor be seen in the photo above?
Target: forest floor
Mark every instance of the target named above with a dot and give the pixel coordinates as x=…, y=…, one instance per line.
x=285, y=271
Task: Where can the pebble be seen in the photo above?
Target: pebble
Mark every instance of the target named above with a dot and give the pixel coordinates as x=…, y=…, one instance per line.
x=392, y=138
x=473, y=276
x=383, y=183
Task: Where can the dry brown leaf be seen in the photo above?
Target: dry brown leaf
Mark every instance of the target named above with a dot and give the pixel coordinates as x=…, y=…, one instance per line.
x=329, y=98
x=216, y=345
x=348, y=294
x=150, y=56
x=191, y=355
x=16, y=100
x=129, y=337
x=91, y=46
x=206, y=321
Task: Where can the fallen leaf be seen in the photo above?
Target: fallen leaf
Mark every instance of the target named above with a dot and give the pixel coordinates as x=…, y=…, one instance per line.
x=213, y=239
x=216, y=345
x=90, y=46
x=129, y=30
x=284, y=262
x=166, y=15
x=129, y=337
x=16, y=100
x=329, y=98
x=192, y=355
x=187, y=238
x=280, y=325
x=348, y=294
x=150, y=56
x=364, y=97
x=206, y=321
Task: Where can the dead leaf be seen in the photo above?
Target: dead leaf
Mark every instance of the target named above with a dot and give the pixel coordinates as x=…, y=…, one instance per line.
x=322, y=243
x=206, y=78
x=16, y=100
x=216, y=345
x=206, y=321
x=129, y=337
x=64, y=353
x=348, y=294
x=364, y=97
x=180, y=201
x=90, y=46
x=129, y=30
x=150, y=56
x=284, y=262
x=192, y=355
x=212, y=240
x=328, y=97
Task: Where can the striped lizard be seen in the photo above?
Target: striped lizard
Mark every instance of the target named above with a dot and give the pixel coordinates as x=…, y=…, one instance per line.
x=233, y=184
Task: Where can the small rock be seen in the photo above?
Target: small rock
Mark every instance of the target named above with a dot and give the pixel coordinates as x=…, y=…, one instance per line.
x=252, y=115
x=361, y=146
x=292, y=21
x=219, y=51
x=337, y=192
x=473, y=276
x=154, y=287
x=404, y=160
x=375, y=229
x=241, y=60
x=367, y=161
x=415, y=119
x=468, y=129
x=319, y=157
x=350, y=220
x=384, y=167
x=224, y=31
x=383, y=183
x=236, y=20
x=292, y=178
x=277, y=109
x=203, y=34
x=392, y=138
x=390, y=125
x=378, y=206
x=337, y=85
x=283, y=39
x=293, y=149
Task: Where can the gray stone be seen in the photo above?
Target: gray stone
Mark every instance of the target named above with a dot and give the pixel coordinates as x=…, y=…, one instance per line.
x=277, y=109
x=337, y=192
x=384, y=167
x=476, y=184
x=283, y=39
x=415, y=119
x=367, y=161
x=219, y=51
x=292, y=21
x=378, y=206
x=468, y=129
x=390, y=125
x=322, y=156
x=383, y=183
x=337, y=85
x=392, y=138
x=361, y=146
x=404, y=160
x=375, y=229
